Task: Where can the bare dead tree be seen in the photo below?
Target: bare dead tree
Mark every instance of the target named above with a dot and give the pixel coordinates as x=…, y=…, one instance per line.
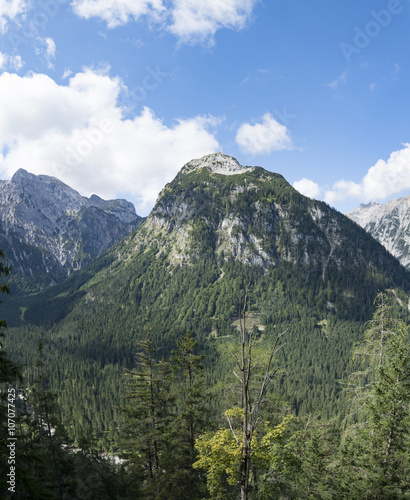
x=250, y=406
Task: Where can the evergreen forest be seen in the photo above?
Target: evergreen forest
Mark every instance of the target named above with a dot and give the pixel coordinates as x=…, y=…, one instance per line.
x=181, y=430
x=252, y=344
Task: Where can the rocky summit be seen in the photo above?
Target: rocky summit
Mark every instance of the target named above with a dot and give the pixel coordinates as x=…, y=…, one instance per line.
x=217, y=163
x=388, y=223
x=48, y=230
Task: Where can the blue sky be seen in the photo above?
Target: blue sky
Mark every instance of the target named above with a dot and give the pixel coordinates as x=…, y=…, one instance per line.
x=114, y=96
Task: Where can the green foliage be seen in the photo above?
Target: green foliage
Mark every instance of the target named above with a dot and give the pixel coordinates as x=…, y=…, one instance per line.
x=312, y=272
x=220, y=454
x=375, y=462
x=165, y=411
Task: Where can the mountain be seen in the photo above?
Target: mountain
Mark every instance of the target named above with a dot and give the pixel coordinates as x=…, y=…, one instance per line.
x=312, y=272
x=388, y=223
x=48, y=230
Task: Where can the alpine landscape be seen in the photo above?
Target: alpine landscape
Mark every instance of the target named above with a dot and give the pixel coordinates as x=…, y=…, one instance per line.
x=204, y=250
x=217, y=230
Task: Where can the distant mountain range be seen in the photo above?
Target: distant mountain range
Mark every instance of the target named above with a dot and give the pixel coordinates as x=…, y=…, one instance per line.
x=217, y=226
x=48, y=230
x=388, y=223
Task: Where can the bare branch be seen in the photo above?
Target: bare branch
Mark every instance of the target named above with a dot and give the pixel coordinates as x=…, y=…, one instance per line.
x=267, y=377
x=237, y=360
x=230, y=425
x=236, y=375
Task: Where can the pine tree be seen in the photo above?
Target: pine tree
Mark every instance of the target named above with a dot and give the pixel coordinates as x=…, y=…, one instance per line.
x=374, y=460
x=147, y=414
x=190, y=419
x=165, y=412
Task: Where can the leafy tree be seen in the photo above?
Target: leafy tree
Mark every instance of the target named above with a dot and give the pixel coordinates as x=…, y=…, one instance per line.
x=220, y=455
x=251, y=405
x=251, y=401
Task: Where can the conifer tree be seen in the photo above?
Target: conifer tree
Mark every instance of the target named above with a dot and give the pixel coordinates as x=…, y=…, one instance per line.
x=44, y=405
x=374, y=460
x=165, y=412
x=191, y=418
x=146, y=417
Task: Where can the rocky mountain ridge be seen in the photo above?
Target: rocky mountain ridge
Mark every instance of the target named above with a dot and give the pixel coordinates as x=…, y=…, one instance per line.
x=312, y=272
x=48, y=230
x=250, y=213
x=388, y=223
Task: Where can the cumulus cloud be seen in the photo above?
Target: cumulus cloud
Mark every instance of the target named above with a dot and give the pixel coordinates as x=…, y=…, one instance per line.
x=382, y=180
x=198, y=21
x=77, y=132
x=307, y=187
x=10, y=10
x=265, y=137
x=118, y=12
x=191, y=21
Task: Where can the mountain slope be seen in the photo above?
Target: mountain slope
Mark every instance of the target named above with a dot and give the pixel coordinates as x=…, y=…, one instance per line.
x=217, y=225
x=388, y=223
x=48, y=230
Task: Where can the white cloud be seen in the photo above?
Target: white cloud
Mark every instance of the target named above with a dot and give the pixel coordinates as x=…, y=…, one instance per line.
x=11, y=62
x=77, y=132
x=307, y=187
x=191, y=21
x=67, y=73
x=259, y=138
x=50, y=48
x=10, y=10
x=118, y=12
x=339, y=80
x=198, y=21
x=382, y=180
x=46, y=49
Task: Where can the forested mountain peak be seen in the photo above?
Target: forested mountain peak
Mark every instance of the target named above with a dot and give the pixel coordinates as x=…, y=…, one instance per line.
x=251, y=215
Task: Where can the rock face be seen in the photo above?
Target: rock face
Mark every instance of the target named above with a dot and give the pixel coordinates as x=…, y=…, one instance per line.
x=388, y=223
x=217, y=163
x=217, y=207
x=48, y=230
